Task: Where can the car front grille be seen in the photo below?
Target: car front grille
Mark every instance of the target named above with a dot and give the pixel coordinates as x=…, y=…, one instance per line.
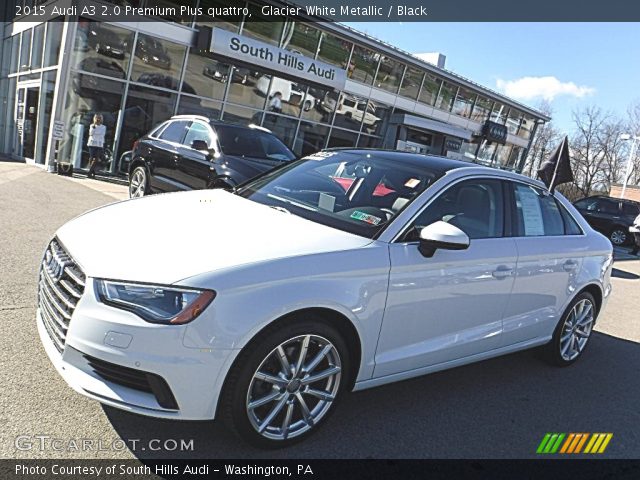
x=61, y=285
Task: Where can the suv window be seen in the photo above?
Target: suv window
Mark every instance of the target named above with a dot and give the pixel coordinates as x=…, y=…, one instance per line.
x=474, y=206
x=247, y=142
x=630, y=209
x=537, y=212
x=175, y=131
x=197, y=131
x=607, y=206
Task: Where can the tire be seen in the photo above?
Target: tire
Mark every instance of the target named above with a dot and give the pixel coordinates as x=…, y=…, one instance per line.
x=618, y=236
x=138, y=182
x=258, y=377
x=561, y=350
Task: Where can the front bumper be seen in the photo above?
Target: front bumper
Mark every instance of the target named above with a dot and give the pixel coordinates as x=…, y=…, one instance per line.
x=99, y=332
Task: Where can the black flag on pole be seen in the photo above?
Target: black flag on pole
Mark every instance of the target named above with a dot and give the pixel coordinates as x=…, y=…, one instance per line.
x=556, y=169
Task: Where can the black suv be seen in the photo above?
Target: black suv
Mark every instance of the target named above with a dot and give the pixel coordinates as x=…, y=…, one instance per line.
x=610, y=216
x=191, y=152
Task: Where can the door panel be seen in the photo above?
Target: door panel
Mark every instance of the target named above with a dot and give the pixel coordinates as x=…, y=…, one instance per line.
x=165, y=155
x=446, y=307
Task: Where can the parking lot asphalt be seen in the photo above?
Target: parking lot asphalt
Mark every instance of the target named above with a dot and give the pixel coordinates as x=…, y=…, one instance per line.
x=500, y=408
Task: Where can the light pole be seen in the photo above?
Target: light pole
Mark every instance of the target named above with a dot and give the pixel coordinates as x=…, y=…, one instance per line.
x=634, y=139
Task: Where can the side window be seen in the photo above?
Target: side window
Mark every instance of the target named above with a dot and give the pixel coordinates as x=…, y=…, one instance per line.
x=474, y=206
x=608, y=206
x=175, y=131
x=571, y=227
x=630, y=209
x=537, y=212
x=197, y=131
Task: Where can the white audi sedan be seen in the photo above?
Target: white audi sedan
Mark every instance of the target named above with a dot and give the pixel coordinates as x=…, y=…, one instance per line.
x=345, y=270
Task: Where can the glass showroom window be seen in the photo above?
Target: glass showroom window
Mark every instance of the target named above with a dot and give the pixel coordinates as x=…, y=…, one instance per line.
x=25, y=51
x=514, y=158
x=526, y=127
x=293, y=97
x=446, y=97
x=335, y=51
x=389, y=75
x=513, y=121
x=251, y=88
x=89, y=95
x=199, y=106
x=499, y=113
x=311, y=138
x=464, y=102
x=430, y=89
x=482, y=109
x=44, y=113
x=375, y=117
x=282, y=127
x=367, y=141
x=261, y=28
x=157, y=62
x=37, y=47
x=316, y=104
x=232, y=26
x=411, y=83
x=501, y=156
x=101, y=48
x=364, y=64
x=54, y=41
x=15, y=53
x=342, y=138
x=241, y=115
x=301, y=37
x=350, y=111
x=208, y=76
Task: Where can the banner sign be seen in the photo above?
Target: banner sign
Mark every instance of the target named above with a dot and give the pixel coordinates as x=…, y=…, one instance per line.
x=262, y=54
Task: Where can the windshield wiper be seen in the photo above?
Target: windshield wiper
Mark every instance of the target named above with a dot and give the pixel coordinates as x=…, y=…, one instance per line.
x=291, y=202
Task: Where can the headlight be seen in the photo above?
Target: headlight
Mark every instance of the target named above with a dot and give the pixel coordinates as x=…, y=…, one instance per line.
x=155, y=304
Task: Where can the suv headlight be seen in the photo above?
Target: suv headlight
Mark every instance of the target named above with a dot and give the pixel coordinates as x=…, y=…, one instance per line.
x=154, y=303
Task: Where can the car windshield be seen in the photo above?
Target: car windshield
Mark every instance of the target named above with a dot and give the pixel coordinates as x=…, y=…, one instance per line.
x=359, y=193
x=248, y=142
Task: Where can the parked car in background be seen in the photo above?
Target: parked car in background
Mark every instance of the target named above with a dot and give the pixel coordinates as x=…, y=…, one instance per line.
x=193, y=152
x=262, y=307
x=610, y=216
x=150, y=50
x=291, y=92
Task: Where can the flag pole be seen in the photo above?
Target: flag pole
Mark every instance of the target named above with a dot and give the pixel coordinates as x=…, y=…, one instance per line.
x=552, y=186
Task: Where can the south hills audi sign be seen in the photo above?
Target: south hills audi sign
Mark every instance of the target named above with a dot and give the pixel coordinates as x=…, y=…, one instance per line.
x=262, y=54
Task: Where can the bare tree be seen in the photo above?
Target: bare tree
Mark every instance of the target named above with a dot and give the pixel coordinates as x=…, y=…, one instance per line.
x=633, y=128
x=545, y=140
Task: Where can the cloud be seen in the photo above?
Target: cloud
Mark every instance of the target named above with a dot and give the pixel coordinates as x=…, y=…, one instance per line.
x=529, y=88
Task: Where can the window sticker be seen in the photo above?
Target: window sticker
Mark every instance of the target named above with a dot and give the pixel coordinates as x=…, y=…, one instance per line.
x=412, y=183
x=327, y=202
x=365, y=217
x=320, y=156
x=531, y=212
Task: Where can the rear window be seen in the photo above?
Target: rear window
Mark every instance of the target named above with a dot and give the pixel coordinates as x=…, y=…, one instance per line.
x=246, y=142
x=630, y=209
x=175, y=131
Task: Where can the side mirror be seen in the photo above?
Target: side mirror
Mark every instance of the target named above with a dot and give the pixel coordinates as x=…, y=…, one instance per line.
x=200, y=145
x=442, y=235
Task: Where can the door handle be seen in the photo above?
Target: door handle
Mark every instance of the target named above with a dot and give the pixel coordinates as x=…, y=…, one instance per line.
x=570, y=265
x=502, y=272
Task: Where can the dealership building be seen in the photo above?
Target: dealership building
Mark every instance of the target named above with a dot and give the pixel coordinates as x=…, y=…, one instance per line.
x=338, y=88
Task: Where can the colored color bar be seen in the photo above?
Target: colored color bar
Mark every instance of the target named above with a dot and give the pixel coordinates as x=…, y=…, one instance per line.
x=576, y=439
x=591, y=442
x=543, y=443
x=607, y=439
x=599, y=441
x=555, y=447
x=567, y=443
x=550, y=443
x=581, y=443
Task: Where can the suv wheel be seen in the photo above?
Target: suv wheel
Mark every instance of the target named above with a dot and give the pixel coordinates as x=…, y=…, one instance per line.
x=138, y=182
x=618, y=236
x=573, y=331
x=285, y=383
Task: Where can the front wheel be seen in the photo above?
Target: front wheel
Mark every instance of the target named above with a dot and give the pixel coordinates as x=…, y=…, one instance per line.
x=618, y=236
x=286, y=383
x=573, y=331
x=138, y=183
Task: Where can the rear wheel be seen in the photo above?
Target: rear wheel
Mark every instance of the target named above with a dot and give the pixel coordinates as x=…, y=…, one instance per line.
x=286, y=383
x=573, y=331
x=618, y=236
x=138, y=182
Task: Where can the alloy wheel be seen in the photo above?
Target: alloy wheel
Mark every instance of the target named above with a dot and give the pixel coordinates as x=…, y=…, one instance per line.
x=137, y=185
x=294, y=387
x=618, y=237
x=577, y=330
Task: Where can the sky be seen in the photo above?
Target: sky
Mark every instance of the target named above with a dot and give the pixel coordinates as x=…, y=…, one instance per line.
x=571, y=65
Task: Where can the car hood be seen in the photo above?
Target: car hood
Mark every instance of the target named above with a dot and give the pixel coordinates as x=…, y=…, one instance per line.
x=166, y=238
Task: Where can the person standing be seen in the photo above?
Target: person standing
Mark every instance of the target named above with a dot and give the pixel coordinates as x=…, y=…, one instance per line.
x=97, y=132
x=635, y=230
x=275, y=105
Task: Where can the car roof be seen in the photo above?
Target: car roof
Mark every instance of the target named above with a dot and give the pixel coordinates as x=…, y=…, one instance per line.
x=607, y=197
x=217, y=123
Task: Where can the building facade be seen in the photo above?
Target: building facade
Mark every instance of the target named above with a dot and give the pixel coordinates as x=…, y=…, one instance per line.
x=337, y=88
